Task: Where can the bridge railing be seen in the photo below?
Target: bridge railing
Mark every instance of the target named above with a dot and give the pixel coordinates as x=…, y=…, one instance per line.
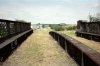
x=10, y=28
x=82, y=54
x=12, y=34
x=88, y=30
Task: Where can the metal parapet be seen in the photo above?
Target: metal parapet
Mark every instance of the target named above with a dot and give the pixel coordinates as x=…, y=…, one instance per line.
x=12, y=34
x=81, y=53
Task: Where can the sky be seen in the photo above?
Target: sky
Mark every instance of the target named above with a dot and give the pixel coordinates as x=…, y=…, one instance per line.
x=48, y=11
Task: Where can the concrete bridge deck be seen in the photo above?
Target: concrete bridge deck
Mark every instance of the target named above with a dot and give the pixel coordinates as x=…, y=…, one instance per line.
x=40, y=49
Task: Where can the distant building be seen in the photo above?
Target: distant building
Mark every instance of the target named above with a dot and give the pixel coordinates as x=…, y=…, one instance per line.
x=36, y=26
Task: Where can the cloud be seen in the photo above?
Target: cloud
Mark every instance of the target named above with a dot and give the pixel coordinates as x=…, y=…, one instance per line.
x=40, y=14
x=46, y=11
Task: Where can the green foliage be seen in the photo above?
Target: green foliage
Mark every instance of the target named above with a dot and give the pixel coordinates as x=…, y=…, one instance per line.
x=58, y=27
x=71, y=27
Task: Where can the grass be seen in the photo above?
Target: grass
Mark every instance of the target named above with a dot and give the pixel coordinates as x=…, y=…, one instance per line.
x=69, y=32
x=40, y=49
x=90, y=43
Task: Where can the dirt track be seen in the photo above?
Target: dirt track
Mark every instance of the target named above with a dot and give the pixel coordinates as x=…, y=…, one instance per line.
x=40, y=50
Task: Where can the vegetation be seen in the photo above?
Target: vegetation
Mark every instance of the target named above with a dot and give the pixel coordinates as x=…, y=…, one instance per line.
x=60, y=27
x=94, y=18
x=56, y=27
x=71, y=27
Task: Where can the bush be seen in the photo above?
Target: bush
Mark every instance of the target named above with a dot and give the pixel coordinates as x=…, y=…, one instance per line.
x=71, y=27
x=58, y=27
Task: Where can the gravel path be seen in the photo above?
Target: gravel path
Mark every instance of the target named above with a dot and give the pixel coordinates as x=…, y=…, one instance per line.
x=40, y=50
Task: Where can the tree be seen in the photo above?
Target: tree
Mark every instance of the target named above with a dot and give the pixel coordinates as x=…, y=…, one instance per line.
x=94, y=18
x=98, y=16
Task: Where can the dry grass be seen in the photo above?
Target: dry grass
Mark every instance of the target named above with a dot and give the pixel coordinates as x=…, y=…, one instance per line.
x=90, y=43
x=40, y=50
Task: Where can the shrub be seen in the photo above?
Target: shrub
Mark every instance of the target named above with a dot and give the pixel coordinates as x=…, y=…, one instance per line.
x=71, y=27
x=58, y=27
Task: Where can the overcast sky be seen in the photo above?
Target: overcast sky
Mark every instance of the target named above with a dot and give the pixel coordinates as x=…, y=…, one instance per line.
x=48, y=11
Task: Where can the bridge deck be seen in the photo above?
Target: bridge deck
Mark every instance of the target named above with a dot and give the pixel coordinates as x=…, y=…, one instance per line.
x=40, y=50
